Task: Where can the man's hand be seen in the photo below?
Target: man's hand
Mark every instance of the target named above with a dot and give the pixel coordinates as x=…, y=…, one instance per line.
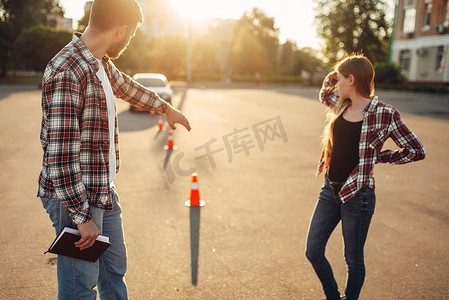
x=173, y=116
x=89, y=233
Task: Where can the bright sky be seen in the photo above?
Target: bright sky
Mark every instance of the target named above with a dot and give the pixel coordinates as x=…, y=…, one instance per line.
x=293, y=17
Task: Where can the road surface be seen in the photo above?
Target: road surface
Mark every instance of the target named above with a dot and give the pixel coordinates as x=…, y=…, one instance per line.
x=255, y=152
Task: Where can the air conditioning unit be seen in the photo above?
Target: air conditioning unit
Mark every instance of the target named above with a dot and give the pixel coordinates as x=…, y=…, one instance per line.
x=408, y=35
x=421, y=51
x=441, y=29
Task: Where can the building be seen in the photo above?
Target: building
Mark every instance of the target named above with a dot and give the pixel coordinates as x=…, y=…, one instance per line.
x=67, y=24
x=160, y=20
x=420, y=41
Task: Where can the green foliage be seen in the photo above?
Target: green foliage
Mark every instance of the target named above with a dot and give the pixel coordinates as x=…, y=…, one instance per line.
x=22, y=14
x=38, y=44
x=388, y=73
x=18, y=15
x=206, y=77
x=205, y=57
x=137, y=56
x=282, y=79
x=294, y=61
x=253, y=48
x=255, y=45
x=5, y=52
x=168, y=55
x=248, y=54
x=353, y=26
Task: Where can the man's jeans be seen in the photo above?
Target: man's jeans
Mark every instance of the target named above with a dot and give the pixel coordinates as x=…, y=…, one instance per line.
x=355, y=216
x=77, y=278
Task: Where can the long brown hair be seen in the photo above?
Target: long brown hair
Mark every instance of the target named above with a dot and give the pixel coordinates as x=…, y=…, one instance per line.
x=361, y=68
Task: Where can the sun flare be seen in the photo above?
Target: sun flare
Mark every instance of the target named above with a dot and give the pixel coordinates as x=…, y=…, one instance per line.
x=200, y=9
x=192, y=9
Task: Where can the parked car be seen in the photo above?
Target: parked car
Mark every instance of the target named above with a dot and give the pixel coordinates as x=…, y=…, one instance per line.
x=158, y=83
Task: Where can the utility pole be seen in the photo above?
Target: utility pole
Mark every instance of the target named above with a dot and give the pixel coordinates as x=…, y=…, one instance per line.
x=189, y=50
x=390, y=46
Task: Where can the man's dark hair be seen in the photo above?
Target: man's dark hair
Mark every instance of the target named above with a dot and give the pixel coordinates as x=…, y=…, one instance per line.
x=107, y=14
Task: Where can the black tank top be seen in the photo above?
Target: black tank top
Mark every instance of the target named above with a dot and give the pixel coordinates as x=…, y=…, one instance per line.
x=345, y=150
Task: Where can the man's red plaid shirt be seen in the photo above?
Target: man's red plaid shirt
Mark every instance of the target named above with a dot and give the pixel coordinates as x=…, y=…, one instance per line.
x=381, y=121
x=74, y=132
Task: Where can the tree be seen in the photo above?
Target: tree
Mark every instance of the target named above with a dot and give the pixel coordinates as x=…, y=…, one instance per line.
x=36, y=58
x=205, y=56
x=353, y=26
x=388, y=73
x=296, y=62
x=290, y=55
x=137, y=57
x=168, y=55
x=256, y=44
x=5, y=38
x=248, y=54
x=18, y=15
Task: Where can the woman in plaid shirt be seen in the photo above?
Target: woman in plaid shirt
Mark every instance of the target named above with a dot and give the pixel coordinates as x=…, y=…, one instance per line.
x=358, y=126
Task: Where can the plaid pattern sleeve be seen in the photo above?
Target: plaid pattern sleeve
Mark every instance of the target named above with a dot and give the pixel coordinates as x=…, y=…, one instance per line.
x=411, y=148
x=329, y=94
x=61, y=138
x=132, y=92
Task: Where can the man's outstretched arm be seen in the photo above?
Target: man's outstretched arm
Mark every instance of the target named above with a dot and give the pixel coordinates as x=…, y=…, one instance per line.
x=174, y=116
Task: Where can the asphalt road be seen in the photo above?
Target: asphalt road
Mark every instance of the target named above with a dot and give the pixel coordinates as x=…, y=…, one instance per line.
x=255, y=151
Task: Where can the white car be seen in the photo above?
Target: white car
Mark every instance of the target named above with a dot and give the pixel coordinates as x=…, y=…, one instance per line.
x=158, y=83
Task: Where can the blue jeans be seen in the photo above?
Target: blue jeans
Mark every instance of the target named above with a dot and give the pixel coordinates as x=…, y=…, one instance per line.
x=77, y=278
x=355, y=216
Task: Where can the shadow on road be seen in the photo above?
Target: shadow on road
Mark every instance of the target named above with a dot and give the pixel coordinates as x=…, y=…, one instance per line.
x=7, y=90
x=310, y=93
x=135, y=121
x=183, y=98
x=194, y=242
x=167, y=157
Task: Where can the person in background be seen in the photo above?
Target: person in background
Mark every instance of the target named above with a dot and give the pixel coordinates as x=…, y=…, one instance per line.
x=358, y=127
x=79, y=137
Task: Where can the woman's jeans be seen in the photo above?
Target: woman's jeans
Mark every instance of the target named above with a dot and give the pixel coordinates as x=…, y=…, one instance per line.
x=77, y=278
x=355, y=216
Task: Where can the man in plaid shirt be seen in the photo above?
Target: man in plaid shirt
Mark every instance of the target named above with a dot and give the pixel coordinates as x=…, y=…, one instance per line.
x=79, y=137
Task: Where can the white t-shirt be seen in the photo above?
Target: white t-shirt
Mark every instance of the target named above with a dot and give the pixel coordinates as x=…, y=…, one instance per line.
x=107, y=88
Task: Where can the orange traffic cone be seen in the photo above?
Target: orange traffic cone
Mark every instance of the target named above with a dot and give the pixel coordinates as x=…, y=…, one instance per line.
x=170, y=143
x=195, y=193
x=161, y=123
x=152, y=114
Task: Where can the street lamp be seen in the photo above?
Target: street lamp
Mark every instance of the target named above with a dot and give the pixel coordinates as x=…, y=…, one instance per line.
x=189, y=50
x=188, y=11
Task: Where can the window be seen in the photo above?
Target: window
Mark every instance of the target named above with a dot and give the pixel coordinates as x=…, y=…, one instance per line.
x=427, y=14
x=409, y=16
x=446, y=14
x=404, y=60
x=409, y=20
x=151, y=82
x=439, y=65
